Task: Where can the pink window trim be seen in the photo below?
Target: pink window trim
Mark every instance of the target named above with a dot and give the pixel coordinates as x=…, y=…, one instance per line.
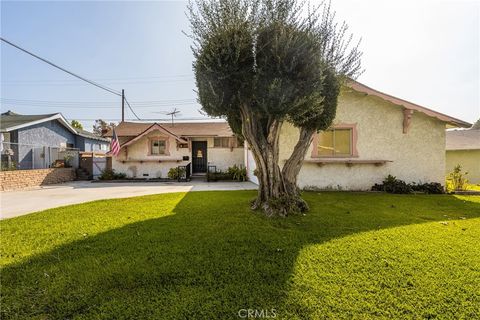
x=167, y=145
x=354, y=154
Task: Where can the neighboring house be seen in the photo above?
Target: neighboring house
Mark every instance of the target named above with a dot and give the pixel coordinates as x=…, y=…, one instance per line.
x=90, y=142
x=463, y=148
x=33, y=141
x=150, y=150
x=372, y=136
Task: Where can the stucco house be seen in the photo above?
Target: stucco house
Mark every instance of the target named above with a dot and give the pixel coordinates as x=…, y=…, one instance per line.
x=373, y=135
x=150, y=150
x=25, y=138
x=463, y=148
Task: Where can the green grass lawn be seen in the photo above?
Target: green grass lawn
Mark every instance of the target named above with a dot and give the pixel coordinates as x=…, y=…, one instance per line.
x=205, y=255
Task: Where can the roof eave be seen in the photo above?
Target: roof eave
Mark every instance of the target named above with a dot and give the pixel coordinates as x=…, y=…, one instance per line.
x=57, y=116
x=450, y=121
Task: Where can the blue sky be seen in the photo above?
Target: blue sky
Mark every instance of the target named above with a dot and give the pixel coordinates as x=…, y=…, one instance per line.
x=423, y=51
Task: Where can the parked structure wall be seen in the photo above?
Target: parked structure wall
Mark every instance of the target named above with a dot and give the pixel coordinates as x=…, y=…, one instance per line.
x=24, y=179
x=468, y=159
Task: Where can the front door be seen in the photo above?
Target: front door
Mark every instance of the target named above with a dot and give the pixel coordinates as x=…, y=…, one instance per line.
x=199, y=156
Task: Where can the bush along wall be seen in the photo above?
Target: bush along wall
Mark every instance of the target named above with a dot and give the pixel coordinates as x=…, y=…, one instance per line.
x=393, y=185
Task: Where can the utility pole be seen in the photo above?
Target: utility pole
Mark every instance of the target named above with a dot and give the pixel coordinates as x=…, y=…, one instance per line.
x=123, y=105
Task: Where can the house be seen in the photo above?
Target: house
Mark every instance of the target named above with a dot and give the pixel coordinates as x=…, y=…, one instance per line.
x=373, y=135
x=90, y=142
x=463, y=148
x=150, y=150
x=34, y=141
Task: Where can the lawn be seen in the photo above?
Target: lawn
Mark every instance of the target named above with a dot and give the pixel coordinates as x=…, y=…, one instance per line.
x=204, y=255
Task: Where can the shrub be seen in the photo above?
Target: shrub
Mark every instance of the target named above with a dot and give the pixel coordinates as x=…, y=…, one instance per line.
x=393, y=185
x=456, y=179
x=429, y=187
x=5, y=166
x=67, y=160
x=109, y=174
x=175, y=173
x=218, y=176
x=237, y=173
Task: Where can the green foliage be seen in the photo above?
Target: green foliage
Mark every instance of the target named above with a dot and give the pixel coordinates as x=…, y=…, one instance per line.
x=109, y=174
x=8, y=167
x=68, y=159
x=100, y=125
x=175, y=173
x=76, y=124
x=219, y=176
x=271, y=57
x=238, y=173
x=456, y=180
x=204, y=255
x=393, y=185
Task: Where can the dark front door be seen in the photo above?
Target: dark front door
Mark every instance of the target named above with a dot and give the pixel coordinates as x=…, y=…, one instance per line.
x=199, y=156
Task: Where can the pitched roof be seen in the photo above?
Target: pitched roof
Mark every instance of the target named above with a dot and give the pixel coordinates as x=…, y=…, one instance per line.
x=12, y=121
x=463, y=139
x=180, y=129
x=90, y=135
x=453, y=122
x=153, y=127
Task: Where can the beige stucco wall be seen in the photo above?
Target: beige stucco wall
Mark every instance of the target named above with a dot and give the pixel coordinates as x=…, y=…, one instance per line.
x=221, y=157
x=418, y=155
x=468, y=159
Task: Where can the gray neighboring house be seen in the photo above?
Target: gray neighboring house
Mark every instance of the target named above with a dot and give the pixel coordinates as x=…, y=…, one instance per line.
x=26, y=137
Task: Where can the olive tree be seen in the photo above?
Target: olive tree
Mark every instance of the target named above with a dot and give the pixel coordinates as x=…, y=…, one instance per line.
x=262, y=63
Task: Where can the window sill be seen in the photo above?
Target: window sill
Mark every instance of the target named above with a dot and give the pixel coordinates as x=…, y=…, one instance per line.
x=158, y=159
x=347, y=161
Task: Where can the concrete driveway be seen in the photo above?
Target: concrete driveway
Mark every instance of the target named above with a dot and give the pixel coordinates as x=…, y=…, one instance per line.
x=17, y=203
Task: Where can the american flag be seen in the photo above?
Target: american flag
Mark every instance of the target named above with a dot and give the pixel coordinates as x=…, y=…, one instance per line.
x=114, y=144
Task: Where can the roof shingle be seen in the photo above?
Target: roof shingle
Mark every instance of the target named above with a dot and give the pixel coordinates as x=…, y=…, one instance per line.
x=185, y=129
x=463, y=139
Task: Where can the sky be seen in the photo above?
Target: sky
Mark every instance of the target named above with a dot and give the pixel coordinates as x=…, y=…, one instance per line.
x=424, y=51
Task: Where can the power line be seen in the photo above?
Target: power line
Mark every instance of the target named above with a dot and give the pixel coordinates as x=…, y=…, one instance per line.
x=130, y=107
x=165, y=77
x=95, y=102
x=62, y=69
x=95, y=107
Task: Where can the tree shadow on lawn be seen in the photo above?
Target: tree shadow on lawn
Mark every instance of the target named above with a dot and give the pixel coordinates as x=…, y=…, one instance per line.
x=209, y=259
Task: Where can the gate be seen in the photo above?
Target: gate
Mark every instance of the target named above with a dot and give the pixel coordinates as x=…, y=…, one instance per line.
x=94, y=163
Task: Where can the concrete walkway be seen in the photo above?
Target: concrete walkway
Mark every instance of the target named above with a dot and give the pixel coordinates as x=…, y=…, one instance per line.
x=17, y=203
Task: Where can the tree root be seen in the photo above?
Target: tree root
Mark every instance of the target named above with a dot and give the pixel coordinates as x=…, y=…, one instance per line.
x=282, y=206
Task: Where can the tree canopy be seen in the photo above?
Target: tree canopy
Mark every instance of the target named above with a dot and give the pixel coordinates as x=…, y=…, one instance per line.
x=76, y=124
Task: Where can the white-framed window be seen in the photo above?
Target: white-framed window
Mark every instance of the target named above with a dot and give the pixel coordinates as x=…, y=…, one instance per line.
x=158, y=147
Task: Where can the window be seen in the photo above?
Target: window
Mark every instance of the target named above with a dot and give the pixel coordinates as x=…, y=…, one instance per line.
x=221, y=142
x=336, y=142
x=158, y=147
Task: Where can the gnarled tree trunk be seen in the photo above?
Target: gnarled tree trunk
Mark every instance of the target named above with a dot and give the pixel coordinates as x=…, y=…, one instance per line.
x=278, y=194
